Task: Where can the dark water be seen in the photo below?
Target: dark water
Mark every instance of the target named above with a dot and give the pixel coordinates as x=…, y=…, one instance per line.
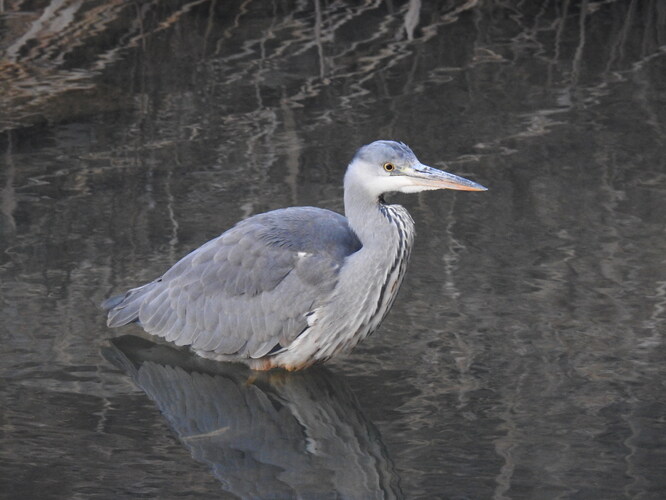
x=525, y=355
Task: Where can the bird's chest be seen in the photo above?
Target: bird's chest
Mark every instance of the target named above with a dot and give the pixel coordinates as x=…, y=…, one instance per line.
x=367, y=286
x=367, y=290
x=383, y=290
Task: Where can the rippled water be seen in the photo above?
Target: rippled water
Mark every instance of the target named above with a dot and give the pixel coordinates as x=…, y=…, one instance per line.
x=525, y=355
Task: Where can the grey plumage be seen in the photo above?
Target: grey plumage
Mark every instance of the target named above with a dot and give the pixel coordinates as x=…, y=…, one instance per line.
x=252, y=270
x=293, y=286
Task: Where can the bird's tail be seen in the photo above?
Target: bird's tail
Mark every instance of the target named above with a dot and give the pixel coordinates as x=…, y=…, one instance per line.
x=124, y=308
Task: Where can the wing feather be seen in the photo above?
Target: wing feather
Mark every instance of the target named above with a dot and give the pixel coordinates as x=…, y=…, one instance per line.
x=173, y=330
x=154, y=304
x=247, y=290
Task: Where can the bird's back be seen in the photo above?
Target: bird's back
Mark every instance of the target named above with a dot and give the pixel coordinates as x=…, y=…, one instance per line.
x=307, y=229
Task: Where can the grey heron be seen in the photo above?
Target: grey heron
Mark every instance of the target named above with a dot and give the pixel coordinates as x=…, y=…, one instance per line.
x=294, y=286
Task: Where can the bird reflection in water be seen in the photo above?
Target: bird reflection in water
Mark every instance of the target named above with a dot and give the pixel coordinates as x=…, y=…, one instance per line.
x=263, y=434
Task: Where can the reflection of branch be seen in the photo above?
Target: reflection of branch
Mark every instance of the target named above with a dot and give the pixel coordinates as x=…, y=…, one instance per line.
x=318, y=40
x=412, y=18
x=454, y=14
x=617, y=50
x=572, y=91
x=34, y=71
x=561, y=23
x=7, y=193
x=578, y=56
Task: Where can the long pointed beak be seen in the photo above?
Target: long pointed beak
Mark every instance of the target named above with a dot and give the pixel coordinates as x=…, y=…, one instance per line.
x=431, y=178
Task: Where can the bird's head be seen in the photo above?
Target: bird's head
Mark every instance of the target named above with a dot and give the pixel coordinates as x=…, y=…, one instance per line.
x=388, y=166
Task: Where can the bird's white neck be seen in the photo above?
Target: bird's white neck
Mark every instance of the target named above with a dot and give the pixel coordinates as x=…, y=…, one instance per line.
x=364, y=214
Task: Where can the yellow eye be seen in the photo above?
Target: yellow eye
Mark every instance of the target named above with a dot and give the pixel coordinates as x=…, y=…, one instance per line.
x=389, y=167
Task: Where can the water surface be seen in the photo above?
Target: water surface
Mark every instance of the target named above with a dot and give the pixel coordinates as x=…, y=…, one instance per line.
x=524, y=357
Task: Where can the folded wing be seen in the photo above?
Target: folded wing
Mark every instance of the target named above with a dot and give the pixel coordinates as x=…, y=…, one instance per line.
x=248, y=291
